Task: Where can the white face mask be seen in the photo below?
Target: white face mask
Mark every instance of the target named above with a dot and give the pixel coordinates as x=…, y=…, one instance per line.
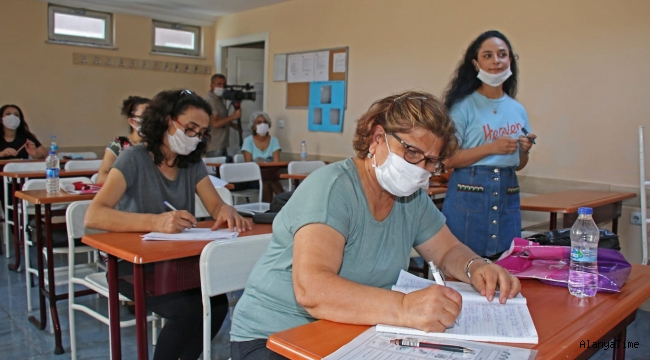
x=398, y=177
x=218, y=91
x=494, y=80
x=262, y=129
x=11, y=121
x=182, y=144
x=136, y=127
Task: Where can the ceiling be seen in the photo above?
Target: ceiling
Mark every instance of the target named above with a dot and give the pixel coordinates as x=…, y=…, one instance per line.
x=192, y=12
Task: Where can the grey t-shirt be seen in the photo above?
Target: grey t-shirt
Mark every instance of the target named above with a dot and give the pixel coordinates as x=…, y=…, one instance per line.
x=147, y=188
x=219, y=134
x=374, y=252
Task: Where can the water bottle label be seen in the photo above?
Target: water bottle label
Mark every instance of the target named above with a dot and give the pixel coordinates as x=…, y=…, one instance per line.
x=579, y=255
x=303, y=154
x=52, y=173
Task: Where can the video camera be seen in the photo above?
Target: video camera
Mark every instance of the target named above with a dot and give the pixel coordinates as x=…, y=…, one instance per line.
x=238, y=93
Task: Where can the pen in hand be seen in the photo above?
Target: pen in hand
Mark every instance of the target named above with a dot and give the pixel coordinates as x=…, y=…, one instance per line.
x=523, y=130
x=439, y=277
x=421, y=344
x=173, y=208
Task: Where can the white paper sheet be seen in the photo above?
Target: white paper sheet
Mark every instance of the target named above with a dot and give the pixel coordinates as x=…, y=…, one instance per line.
x=216, y=182
x=192, y=234
x=280, y=67
x=375, y=345
x=301, y=68
x=339, y=62
x=322, y=66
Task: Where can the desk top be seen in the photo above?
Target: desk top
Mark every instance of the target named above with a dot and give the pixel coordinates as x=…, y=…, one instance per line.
x=562, y=321
x=436, y=190
x=42, y=197
x=294, y=176
x=261, y=164
x=41, y=174
x=131, y=247
x=569, y=201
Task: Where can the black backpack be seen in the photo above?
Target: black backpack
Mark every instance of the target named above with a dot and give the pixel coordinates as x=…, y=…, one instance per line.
x=276, y=205
x=608, y=240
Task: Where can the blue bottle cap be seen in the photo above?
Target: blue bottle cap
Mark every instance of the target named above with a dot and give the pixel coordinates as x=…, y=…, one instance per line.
x=585, y=211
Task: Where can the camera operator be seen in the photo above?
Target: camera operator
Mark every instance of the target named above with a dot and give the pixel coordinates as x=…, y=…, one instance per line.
x=220, y=122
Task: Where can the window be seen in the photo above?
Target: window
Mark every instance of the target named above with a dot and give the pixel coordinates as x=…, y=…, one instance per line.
x=176, y=38
x=80, y=26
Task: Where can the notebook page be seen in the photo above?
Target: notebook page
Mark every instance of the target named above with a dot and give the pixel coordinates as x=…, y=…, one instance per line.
x=192, y=234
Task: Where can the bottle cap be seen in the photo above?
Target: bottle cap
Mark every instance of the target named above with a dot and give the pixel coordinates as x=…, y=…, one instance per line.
x=585, y=211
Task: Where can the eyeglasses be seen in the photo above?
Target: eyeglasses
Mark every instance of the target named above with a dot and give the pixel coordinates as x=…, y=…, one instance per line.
x=203, y=136
x=415, y=156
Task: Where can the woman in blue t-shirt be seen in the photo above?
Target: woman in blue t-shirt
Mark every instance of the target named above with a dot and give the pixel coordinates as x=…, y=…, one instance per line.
x=16, y=141
x=482, y=202
x=262, y=147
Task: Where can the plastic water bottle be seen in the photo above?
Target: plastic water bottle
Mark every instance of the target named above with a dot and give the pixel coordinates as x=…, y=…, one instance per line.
x=52, y=173
x=583, y=271
x=53, y=145
x=303, y=151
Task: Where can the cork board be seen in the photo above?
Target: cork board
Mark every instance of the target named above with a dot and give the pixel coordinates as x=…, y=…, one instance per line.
x=298, y=92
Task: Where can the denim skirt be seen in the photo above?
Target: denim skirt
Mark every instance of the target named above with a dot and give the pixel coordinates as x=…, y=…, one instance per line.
x=482, y=208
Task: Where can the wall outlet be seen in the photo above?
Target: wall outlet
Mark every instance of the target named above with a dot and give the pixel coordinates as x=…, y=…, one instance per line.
x=635, y=218
x=281, y=124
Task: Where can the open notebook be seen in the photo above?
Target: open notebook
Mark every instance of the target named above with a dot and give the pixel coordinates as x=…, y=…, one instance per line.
x=479, y=319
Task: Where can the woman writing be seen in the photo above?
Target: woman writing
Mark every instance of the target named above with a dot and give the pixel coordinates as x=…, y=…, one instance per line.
x=16, y=141
x=166, y=166
x=482, y=201
x=262, y=147
x=340, y=242
x=132, y=108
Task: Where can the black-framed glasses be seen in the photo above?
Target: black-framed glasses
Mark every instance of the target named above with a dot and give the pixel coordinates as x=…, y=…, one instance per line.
x=203, y=135
x=414, y=156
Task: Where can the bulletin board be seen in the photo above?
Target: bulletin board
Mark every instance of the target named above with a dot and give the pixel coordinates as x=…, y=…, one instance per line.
x=300, y=74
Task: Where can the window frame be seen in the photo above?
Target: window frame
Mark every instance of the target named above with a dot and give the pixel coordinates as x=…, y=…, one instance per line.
x=108, y=29
x=196, y=52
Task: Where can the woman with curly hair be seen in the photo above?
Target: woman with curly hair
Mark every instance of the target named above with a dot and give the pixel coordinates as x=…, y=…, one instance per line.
x=167, y=166
x=16, y=141
x=132, y=108
x=482, y=201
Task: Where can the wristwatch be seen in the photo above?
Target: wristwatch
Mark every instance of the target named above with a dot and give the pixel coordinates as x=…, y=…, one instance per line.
x=469, y=276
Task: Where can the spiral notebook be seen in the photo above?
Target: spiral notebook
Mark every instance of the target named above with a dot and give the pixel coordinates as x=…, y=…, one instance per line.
x=479, y=319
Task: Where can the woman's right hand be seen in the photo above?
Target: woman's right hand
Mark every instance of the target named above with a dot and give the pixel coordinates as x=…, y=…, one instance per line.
x=432, y=309
x=173, y=222
x=504, y=145
x=8, y=152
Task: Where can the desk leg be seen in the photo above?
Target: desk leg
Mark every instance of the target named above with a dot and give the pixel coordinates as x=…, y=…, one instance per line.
x=16, y=265
x=114, y=309
x=51, y=292
x=140, y=312
x=553, y=224
x=615, y=225
x=41, y=277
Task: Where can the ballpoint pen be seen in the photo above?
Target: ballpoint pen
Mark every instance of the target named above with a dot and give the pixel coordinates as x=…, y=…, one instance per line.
x=439, y=277
x=523, y=130
x=173, y=208
x=421, y=344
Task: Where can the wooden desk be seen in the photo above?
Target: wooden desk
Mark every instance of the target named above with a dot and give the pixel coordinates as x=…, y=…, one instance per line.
x=38, y=198
x=562, y=322
x=131, y=247
x=279, y=164
x=17, y=177
x=607, y=205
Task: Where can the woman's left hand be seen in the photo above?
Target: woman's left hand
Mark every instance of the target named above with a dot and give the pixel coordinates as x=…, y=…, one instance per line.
x=31, y=149
x=487, y=277
x=229, y=216
x=525, y=143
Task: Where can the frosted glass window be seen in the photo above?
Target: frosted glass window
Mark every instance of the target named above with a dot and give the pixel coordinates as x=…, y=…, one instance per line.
x=176, y=38
x=73, y=25
x=79, y=26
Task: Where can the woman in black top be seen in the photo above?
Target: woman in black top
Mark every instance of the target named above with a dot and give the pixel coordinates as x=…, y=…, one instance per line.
x=16, y=141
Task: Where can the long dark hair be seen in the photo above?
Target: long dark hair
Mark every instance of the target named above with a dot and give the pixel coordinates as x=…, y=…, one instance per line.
x=465, y=81
x=155, y=122
x=130, y=104
x=23, y=128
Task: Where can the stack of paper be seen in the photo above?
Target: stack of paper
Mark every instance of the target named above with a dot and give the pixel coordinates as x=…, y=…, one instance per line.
x=479, y=319
x=192, y=234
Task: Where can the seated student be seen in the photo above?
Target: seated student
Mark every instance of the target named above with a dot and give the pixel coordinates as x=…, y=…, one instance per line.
x=340, y=242
x=132, y=108
x=16, y=140
x=262, y=147
x=167, y=166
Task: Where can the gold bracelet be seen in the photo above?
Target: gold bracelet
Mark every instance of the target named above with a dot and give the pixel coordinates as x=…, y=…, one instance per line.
x=470, y=263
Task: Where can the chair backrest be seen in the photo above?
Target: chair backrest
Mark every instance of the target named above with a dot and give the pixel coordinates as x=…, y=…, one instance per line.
x=83, y=154
x=199, y=209
x=94, y=178
x=644, y=184
x=218, y=159
x=225, y=194
x=238, y=158
x=74, y=219
x=83, y=164
x=234, y=173
x=25, y=166
x=304, y=167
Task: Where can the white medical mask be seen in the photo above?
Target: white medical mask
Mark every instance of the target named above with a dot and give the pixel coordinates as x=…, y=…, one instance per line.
x=11, y=121
x=494, y=80
x=218, y=91
x=398, y=176
x=136, y=127
x=262, y=129
x=182, y=144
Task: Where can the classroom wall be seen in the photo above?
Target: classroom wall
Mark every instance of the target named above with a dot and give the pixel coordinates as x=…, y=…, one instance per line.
x=584, y=71
x=80, y=104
